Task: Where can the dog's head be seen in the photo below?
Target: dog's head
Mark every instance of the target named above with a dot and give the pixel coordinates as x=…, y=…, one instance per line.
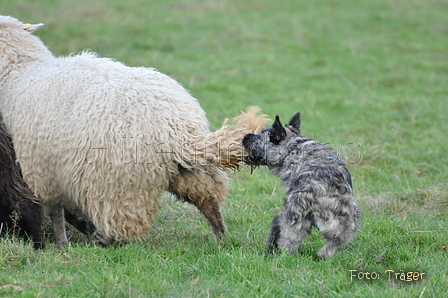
x=260, y=145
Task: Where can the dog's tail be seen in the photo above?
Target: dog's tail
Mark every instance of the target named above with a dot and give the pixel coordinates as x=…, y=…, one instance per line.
x=223, y=147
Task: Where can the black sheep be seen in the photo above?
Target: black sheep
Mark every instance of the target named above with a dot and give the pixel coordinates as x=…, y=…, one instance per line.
x=15, y=195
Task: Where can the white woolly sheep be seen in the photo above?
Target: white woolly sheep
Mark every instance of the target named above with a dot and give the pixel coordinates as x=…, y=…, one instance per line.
x=104, y=140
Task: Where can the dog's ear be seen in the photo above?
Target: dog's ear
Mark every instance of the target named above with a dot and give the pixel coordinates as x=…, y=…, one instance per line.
x=278, y=133
x=295, y=121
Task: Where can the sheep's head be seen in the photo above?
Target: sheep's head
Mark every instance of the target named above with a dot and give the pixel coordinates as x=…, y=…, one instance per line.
x=18, y=45
x=8, y=23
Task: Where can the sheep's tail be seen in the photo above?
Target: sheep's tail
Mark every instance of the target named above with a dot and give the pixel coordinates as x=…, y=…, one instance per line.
x=223, y=147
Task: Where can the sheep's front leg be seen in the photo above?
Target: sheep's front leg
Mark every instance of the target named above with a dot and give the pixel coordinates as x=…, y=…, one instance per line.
x=80, y=222
x=57, y=217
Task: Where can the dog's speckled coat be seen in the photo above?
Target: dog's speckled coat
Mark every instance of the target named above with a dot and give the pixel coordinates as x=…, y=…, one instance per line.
x=318, y=187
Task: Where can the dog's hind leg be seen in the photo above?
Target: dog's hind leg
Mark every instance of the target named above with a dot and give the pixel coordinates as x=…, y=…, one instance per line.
x=338, y=231
x=287, y=232
x=205, y=190
x=330, y=247
x=274, y=233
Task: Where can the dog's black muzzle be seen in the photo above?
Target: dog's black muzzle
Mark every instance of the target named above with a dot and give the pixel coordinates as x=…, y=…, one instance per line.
x=255, y=157
x=248, y=140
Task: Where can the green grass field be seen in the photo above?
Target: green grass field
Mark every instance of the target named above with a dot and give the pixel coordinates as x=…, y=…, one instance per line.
x=369, y=77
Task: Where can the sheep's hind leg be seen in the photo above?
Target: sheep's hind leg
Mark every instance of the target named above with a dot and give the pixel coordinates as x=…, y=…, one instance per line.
x=210, y=208
x=206, y=191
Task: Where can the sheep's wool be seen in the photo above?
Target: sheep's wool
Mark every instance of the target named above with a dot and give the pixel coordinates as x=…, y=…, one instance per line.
x=98, y=137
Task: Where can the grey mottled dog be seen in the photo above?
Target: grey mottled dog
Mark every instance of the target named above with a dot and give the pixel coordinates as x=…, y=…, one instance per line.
x=318, y=187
